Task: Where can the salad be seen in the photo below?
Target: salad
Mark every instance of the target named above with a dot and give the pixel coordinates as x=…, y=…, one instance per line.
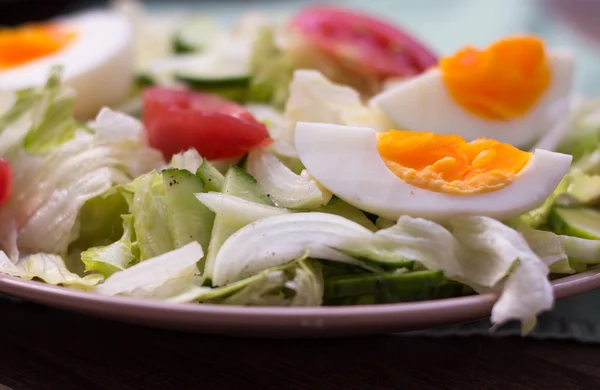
x=327, y=159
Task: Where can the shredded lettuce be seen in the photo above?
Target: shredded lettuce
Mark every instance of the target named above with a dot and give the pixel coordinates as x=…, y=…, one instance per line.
x=478, y=251
x=49, y=268
x=114, y=257
x=58, y=165
x=151, y=218
x=299, y=283
x=539, y=215
x=161, y=277
x=272, y=70
x=584, y=131
x=497, y=258
x=313, y=98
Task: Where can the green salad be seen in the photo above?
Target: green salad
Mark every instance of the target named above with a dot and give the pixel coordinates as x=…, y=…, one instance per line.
x=241, y=172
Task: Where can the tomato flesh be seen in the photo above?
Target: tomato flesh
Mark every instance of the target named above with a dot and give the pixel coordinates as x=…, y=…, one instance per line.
x=6, y=181
x=177, y=120
x=377, y=46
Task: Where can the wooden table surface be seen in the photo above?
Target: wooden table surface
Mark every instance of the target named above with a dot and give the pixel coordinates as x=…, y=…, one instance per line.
x=43, y=348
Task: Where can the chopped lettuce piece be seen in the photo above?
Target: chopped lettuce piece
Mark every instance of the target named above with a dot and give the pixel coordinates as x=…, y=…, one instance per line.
x=589, y=163
x=477, y=251
x=548, y=247
x=497, y=258
x=313, y=98
x=272, y=71
x=99, y=220
x=151, y=216
x=55, y=123
x=114, y=257
x=539, y=215
x=299, y=283
x=161, y=277
x=584, y=131
x=50, y=268
x=56, y=170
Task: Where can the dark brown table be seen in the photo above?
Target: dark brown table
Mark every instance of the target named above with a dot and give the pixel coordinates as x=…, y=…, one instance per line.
x=43, y=348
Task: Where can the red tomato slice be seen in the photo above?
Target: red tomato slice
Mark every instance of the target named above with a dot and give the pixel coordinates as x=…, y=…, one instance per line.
x=177, y=120
x=6, y=181
x=350, y=37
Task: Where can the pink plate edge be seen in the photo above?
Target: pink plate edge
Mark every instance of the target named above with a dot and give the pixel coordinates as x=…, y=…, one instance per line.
x=279, y=322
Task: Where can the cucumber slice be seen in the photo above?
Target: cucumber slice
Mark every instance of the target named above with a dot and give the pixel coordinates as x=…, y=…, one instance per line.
x=211, y=71
x=576, y=222
x=339, y=207
x=446, y=290
x=238, y=94
x=195, y=35
x=383, y=288
x=190, y=220
x=241, y=184
x=237, y=182
x=396, y=286
x=212, y=178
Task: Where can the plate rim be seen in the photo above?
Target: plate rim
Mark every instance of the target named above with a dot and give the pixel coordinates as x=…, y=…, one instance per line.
x=563, y=287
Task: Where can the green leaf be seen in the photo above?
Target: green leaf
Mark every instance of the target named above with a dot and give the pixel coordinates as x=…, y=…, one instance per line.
x=50, y=268
x=114, y=257
x=56, y=124
x=298, y=283
x=272, y=71
x=160, y=277
x=25, y=99
x=539, y=216
x=150, y=213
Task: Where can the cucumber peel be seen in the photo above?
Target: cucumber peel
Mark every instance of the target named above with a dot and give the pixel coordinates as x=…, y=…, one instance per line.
x=576, y=222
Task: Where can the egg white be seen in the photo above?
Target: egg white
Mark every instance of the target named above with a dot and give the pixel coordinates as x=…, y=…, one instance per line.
x=424, y=103
x=98, y=65
x=345, y=160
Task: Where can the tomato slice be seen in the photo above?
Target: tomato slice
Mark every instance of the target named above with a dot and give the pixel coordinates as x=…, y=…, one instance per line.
x=6, y=181
x=177, y=120
x=363, y=41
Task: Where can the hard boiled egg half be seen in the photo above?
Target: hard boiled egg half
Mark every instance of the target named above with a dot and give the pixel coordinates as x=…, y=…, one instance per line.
x=94, y=48
x=427, y=175
x=515, y=91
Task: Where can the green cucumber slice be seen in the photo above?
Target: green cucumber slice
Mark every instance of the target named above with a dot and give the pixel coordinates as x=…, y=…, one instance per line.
x=576, y=222
x=212, y=178
x=387, y=287
x=195, y=35
x=190, y=220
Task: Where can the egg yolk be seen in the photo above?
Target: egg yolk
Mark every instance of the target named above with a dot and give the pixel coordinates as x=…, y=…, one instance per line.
x=500, y=83
x=449, y=164
x=23, y=44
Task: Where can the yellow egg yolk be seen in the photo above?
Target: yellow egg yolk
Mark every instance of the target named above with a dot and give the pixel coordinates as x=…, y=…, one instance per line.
x=23, y=44
x=500, y=83
x=449, y=164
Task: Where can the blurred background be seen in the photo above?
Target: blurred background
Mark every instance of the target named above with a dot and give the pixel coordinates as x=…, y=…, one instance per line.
x=446, y=25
